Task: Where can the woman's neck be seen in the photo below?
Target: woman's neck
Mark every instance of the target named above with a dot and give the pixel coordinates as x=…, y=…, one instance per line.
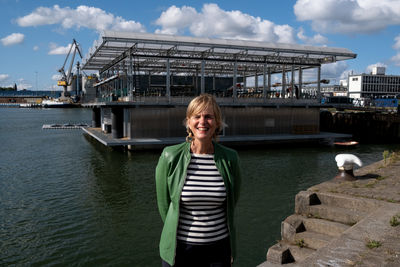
x=206, y=147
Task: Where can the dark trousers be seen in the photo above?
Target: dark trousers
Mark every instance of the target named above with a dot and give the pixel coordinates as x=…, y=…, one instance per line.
x=216, y=254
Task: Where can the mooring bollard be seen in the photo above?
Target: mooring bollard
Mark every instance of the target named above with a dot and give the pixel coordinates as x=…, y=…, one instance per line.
x=345, y=163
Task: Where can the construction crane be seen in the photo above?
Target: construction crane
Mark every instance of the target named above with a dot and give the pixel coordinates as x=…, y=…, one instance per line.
x=66, y=78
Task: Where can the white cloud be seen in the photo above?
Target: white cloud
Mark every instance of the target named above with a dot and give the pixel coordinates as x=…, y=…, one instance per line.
x=285, y=33
x=56, y=77
x=212, y=21
x=59, y=50
x=345, y=74
x=54, y=87
x=275, y=78
x=22, y=84
x=370, y=67
x=35, y=48
x=12, y=39
x=176, y=19
x=82, y=16
x=4, y=77
x=397, y=42
x=348, y=16
x=316, y=39
x=396, y=59
x=333, y=70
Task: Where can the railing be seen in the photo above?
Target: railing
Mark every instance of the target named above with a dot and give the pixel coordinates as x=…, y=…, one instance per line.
x=184, y=100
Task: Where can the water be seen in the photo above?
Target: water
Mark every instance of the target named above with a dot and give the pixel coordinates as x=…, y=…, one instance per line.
x=66, y=199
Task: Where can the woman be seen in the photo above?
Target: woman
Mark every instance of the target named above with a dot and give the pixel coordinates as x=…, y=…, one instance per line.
x=197, y=185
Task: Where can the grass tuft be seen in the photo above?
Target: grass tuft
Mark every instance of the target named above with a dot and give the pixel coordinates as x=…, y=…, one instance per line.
x=300, y=243
x=373, y=244
x=370, y=184
x=395, y=220
x=385, y=155
x=380, y=178
x=315, y=216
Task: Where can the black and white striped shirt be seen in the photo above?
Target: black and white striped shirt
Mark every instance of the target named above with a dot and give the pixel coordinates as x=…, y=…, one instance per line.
x=202, y=217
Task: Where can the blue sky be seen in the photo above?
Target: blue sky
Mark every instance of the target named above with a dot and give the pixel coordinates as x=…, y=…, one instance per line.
x=35, y=35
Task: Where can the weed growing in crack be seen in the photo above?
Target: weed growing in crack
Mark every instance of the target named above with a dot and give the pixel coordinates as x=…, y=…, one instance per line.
x=373, y=244
x=395, y=220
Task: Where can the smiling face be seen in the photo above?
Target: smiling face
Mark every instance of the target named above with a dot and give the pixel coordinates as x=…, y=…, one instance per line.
x=203, y=124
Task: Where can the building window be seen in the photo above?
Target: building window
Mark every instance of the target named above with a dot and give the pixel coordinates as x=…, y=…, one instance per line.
x=355, y=79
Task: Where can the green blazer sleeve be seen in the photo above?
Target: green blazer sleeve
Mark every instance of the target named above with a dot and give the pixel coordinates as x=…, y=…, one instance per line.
x=163, y=198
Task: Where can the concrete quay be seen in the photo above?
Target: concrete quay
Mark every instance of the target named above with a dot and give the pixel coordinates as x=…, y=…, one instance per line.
x=345, y=223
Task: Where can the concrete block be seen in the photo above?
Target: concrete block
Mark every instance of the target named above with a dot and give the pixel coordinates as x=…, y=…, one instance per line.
x=300, y=254
x=290, y=226
x=270, y=264
x=279, y=254
x=304, y=199
x=288, y=232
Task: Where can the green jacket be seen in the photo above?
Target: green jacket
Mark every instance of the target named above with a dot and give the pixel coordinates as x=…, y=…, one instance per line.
x=170, y=178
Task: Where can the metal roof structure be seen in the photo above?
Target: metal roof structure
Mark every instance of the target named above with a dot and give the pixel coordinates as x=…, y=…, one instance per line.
x=155, y=53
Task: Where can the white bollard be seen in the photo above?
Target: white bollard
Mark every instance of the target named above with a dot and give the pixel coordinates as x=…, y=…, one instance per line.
x=345, y=163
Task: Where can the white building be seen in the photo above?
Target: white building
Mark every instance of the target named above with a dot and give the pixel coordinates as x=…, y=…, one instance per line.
x=375, y=84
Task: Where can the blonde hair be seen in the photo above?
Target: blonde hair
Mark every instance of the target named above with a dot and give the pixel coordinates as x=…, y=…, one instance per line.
x=196, y=106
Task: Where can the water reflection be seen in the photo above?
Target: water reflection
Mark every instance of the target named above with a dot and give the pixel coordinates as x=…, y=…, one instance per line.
x=123, y=194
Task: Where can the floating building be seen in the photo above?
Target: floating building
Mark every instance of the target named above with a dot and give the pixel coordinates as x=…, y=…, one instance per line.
x=147, y=80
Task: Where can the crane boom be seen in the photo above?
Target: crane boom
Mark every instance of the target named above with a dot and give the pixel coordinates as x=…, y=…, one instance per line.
x=66, y=78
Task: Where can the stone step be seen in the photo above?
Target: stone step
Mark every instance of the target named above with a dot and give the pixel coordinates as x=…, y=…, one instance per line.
x=300, y=253
x=298, y=223
x=285, y=253
x=335, y=214
x=270, y=264
x=312, y=240
x=292, y=225
x=279, y=254
x=349, y=202
x=330, y=228
x=309, y=198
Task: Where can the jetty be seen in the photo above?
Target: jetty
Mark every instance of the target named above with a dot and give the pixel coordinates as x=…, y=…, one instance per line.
x=345, y=223
x=65, y=126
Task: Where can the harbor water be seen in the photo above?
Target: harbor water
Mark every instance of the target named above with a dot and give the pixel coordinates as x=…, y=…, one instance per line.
x=65, y=199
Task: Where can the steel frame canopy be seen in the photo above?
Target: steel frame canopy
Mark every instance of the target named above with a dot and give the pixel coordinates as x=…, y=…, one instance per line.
x=155, y=53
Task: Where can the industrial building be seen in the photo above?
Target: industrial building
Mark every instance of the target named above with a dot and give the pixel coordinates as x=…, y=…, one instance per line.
x=146, y=81
x=374, y=85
